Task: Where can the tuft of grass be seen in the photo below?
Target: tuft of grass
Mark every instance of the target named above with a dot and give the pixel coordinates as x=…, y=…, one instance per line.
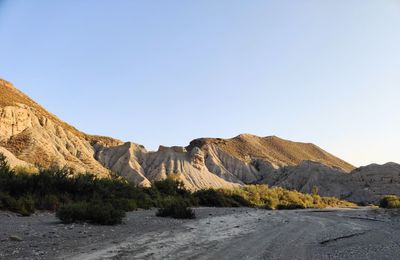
x=390, y=202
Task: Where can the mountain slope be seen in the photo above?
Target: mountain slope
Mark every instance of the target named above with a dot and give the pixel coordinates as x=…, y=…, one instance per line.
x=36, y=136
x=31, y=135
x=12, y=97
x=363, y=185
x=245, y=159
x=275, y=150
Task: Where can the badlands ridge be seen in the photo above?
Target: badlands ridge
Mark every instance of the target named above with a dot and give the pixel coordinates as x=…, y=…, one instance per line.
x=30, y=135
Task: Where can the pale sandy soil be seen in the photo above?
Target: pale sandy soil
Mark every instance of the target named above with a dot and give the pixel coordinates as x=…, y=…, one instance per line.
x=216, y=234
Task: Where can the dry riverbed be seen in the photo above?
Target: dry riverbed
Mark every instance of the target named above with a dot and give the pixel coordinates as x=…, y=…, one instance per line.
x=217, y=233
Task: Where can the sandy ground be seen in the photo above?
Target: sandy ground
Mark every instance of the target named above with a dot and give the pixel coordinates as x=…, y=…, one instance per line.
x=217, y=233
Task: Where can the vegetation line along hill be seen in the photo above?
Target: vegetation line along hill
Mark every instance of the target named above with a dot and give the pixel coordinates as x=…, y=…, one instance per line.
x=85, y=198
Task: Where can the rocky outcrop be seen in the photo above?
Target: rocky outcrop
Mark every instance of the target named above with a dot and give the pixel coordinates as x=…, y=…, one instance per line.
x=208, y=165
x=35, y=136
x=41, y=141
x=124, y=160
x=133, y=162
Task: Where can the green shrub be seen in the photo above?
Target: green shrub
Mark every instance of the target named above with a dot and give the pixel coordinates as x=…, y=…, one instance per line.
x=48, y=202
x=124, y=204
x=25, y=169
x=170, y=187
x=220, y=198
x=239, y=201
x=6, y=201
x=73, y=212
x=92, y=212
x=4, y=166
x=390, y=202
x=278, y=198
x=144, y=201
x=270, y=203
x=176, y=209
x=104, y=214
x=171, y=200
x=23, y=205
x=47, y=189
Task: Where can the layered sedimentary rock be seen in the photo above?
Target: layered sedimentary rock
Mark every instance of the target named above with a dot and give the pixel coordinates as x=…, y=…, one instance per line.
x=245, y=159
x=30, y=135
x=133, y=162
x=35, y=136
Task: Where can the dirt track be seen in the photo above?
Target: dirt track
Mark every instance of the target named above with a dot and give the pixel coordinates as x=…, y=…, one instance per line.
x=216, y=234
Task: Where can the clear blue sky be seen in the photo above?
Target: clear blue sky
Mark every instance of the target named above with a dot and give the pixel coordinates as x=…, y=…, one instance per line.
x=165, y=72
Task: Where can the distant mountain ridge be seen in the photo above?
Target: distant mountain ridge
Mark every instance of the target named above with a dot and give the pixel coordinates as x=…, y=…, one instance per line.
x=30, y=135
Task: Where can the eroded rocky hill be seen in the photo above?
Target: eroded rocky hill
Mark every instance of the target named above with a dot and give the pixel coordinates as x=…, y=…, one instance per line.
x=35, y=136
x=30, y=135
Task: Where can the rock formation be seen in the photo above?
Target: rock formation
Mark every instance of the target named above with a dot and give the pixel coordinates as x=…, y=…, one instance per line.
x=363, y=185
x=30, y=135
x=38, y=137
